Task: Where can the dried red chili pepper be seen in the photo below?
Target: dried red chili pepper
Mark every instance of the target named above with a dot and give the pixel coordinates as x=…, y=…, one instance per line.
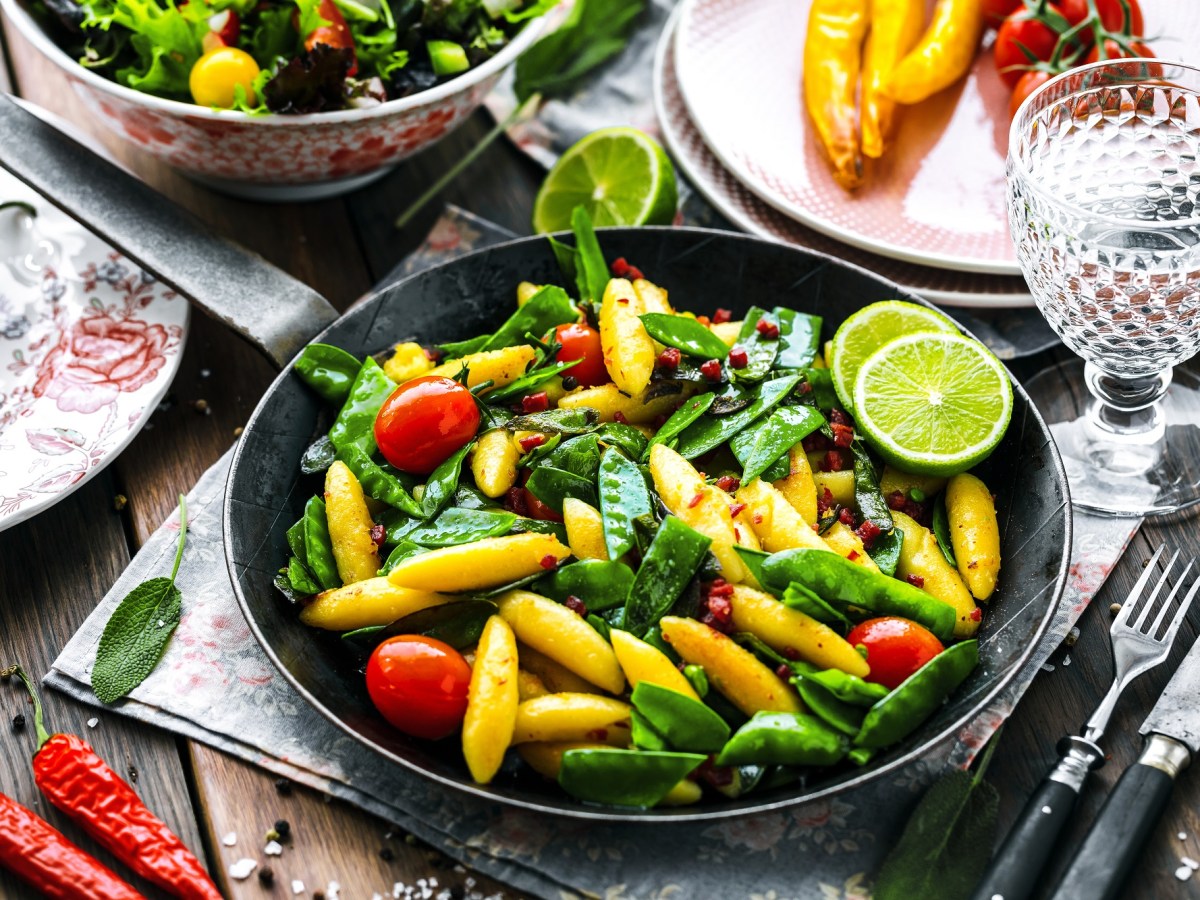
x=81, y=784
x=39, y=854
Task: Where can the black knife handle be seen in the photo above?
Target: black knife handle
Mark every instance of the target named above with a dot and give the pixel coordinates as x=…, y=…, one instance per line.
x=1125, y=822
x=1016, y=868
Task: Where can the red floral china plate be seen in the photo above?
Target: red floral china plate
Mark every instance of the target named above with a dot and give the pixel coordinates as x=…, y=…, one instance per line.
x=89, y=344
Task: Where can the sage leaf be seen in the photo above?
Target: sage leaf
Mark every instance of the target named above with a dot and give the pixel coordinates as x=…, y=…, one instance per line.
x=139, y=629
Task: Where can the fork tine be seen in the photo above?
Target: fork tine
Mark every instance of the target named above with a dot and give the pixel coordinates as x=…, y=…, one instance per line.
x=1134, y=595
x=1173, y=628
x=1162, y=613
x=1144, y=613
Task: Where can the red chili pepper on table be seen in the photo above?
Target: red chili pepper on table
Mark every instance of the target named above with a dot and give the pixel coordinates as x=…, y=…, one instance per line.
x=82, y=785
x=336, y=34
x=39, y=854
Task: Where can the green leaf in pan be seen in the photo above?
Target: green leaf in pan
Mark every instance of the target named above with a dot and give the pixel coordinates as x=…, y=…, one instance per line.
x=760, y=350
x=440, y=488
x=328, y=370
x=624, y=498
x=680, y=419
x=355, y=422
x=528, y=382
x=709, y=432
x=684, y=334
x=670, y=563
x=553, y=486
x=759, y=447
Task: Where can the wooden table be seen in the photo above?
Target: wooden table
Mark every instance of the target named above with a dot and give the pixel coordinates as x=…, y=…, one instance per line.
x=54, y=568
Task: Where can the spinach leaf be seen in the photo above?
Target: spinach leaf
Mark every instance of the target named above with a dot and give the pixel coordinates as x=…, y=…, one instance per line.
x=871, y=503
x=760, y=350
x=797, y=596
x=624, y=498
x=402, y=551
x=684, y=334
x=462, y=526
x=355, y=423
x=302, y=581
x=599, y=583
x=757, y=448
x=579, y=456
x=458, y=624
x=328, y=370
x=439, y=490
x=672, y=560
x=941, y=529
x=295, y=539
x=552, y=486
x=708, y=432
x=799, y=338
x=548, y=307
x=680, y=419
x=886, y=550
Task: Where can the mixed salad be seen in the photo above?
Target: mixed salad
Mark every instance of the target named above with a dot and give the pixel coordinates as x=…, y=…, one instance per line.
x=647, y=550
x=285, y=56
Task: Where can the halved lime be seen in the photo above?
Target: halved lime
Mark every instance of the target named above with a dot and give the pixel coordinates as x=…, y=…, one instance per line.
x=869, y=329
x=933, y=403
x=619, y=175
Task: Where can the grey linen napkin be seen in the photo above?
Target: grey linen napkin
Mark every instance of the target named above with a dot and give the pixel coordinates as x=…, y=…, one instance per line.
x=215, y=685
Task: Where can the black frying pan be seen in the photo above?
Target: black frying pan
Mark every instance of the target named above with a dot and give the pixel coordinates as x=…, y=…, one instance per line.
x=702, y=270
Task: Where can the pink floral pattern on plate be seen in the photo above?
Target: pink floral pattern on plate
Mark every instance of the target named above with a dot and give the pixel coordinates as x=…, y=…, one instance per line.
x=88, y=346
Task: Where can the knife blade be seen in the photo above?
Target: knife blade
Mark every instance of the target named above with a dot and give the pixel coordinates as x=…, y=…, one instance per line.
x=1115, y=840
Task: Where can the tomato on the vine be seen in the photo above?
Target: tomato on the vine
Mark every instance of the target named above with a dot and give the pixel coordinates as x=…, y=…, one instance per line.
x=896, y=648
x=419, y=684
x=1030, y=82
x=580, y=341
x=1113, y=50
x=996, y=11
x=1020, y=32
x=1112, y=17
x=424, y=422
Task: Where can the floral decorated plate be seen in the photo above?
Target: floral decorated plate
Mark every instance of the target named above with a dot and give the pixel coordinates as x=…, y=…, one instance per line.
x=89, y=344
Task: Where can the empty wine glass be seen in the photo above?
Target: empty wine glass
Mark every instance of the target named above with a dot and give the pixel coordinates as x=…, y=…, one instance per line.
x=1104, y=210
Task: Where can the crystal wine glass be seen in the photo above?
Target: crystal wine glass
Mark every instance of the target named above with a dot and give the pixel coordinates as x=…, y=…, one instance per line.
x=1104, y=209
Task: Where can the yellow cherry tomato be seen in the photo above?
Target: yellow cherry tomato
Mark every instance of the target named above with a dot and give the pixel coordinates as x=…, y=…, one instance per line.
x=216, y=74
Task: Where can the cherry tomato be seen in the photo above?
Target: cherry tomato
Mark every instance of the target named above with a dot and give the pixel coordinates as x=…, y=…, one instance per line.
x=581, y=341
x=996, y=11
x=1029, y=83
x=419, y=684
x=1022, y=30
x=895, y=648
x=1112, y=17
x=424, y=422
x=1113, y=50
x=218, y=72
x=538, y=509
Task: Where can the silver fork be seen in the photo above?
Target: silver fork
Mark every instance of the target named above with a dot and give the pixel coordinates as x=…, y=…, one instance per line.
x=1015, y=870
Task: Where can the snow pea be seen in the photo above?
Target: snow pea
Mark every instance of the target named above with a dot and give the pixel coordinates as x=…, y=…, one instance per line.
x=540, y=526
x=440, y=488
x=845, y=717
x=579, y=456
x=899, y=713
x=318, y=456
x=781, y=468
x=318, y=547
x=599, y=583
x=886, y=550
x=797, y=596
x=600, y=625
x=462, y=526
x=547, y=308
x=530, y=380
x=790, y=739
x=467, y=497
x=709, y=432
x=669, y=564
x=591, y=269
x=624, y=777
x=680, y=419
x=844, y=584
x=799, y=338
x=871, y=503
x=403, y=550
x=823, y=395
x=376, y=482
x=301, y=580
x=654, y=638
x=643, y=735
x=845, y=687
x=556, y=421
x=753, y=560
x=628, y=439
x=328, y=370
x=552, y=486
x=687, y=724
x=624, y=498
x=295, y=539
x=697, y=678
x=758, y=448
x=684, y=334
x=760, y=350
x=458, y=624
x=355, y=422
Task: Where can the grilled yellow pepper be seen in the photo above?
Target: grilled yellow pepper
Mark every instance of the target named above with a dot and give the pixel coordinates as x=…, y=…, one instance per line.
x=943, y=55
x=895, y=27
x=832, y=60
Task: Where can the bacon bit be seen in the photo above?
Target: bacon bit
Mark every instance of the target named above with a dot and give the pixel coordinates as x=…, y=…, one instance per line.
x=739, y=358
x=736, y=509
x=976, y=614
x=915, y=580
x=825, y=502
x=815, y=443
x=514, y=501
x=670, y=358
x=535, y=403
x=721, y=316
x=695, y=500
x=791, y=653
x=549, y=561
x=868, y=532
x=432, y=354
x=597, y=734
x=729, y=483
x=901, y=502
x=713, y=775
x=843, y=435
x=769, y=330
x=533, y=440
x=846, y=516
x=575, y=605
x=624, y=301
x=619, y=416
x=758, y=519
x=838, y=417
x=852, y=555
x=711, y=369
x=783, y=671
x=619, y=267
x=804, y=387
x=378, y=533
x=718, y=611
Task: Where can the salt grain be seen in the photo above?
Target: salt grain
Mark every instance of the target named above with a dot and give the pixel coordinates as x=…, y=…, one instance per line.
x=1067, y=660
x=1190, y=863
x=273, y=848
x=1047, y=667
x=333, y=890
x=297, y=886
x=230, y=839
x=93, y=722
x=242, y=869
x=1182, y=835
x=1183, y=873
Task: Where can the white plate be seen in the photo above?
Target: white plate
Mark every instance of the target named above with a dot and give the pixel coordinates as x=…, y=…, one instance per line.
x=88, y=347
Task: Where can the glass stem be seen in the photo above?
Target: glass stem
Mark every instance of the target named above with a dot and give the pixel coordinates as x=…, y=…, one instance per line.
x=1127, y=407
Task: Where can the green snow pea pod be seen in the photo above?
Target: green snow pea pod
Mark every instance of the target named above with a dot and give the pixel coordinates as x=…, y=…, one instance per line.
x=823, y=395
x=845, y=717
x=318, y=456
x=697, y=678
x=886, y=550
x=318, y=547
x=680, y=419
x=669, y=564
x=799, y=338
x=941, y=528
x=628, y=439
x=846, y=687
x=781, y=468
x=402, y=551
x=601, y=584
x=528, y=382
x=654, y=638
x=860, y=756
x=541, y=526
x=440, y=488
x=579, y=456
x=624, y=498
x=684, y=334
x=300, y=578
x=687, y=724
x=295, y=539
x=355, y=422
x=591, y=269
x=599, y=625
x=760, y=349
x=376, y=482
x=462, y=526
x=643, y=735
x=624, y=777
x=556, y=421
x=467, y=497
x=709, y=432
x=328, y=370
x=899, y=713
x=753, y=560
x=845, y=584
x=797, y=596
x=552, y=486
x=789, y=739
x=759, y=447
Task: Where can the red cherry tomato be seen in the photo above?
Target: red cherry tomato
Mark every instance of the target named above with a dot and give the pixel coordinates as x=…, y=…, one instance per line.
x=895, y=648
x=1022, y=30
x=1112, y=17
x=419, y=684
x=425, y=421
x=1113, y=50
x=1029, y=83
x=996, y=11
x=581, y=341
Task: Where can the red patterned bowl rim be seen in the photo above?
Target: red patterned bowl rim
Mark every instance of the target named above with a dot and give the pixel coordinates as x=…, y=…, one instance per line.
x=33, y=32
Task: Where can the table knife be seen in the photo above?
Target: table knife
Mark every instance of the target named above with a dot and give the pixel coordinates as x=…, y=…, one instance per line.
x=1115, y=840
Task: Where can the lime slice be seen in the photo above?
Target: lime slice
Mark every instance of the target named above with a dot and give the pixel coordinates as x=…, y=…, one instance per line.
x=619, y=175
x=868, y=330
x=933, y=403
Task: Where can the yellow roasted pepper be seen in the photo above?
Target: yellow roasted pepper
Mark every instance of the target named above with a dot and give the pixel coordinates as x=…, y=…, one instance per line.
x=943, y=55
x=832, y=60
x=895, y=28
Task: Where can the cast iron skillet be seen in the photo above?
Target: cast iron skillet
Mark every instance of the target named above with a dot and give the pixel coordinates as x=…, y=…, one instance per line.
x=701, y=269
